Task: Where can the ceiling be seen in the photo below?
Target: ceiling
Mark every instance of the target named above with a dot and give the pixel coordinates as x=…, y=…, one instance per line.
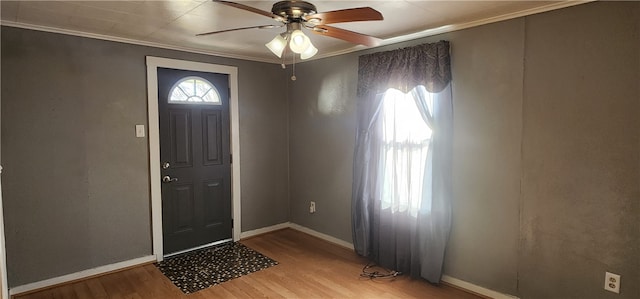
x=174, y=24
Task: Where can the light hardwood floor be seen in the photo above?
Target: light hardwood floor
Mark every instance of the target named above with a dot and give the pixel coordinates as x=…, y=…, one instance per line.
x=308, y=268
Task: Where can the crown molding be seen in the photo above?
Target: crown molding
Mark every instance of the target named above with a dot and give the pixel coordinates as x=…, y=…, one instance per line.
x=385, y=42
x=133, y=41
x=457, y=27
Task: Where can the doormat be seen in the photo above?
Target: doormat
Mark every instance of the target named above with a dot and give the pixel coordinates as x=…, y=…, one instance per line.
x=200, y=269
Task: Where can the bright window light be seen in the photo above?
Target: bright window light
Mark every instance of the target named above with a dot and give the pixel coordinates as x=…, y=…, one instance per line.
x=194, y=90
x=404, y=148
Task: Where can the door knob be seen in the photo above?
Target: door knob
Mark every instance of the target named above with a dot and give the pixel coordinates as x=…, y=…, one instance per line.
x=168, y=179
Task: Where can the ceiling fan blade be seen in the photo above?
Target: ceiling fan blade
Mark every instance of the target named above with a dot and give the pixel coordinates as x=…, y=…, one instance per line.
x=345, y=15
x=252, y=9
x=350, y=36
x=241, y=28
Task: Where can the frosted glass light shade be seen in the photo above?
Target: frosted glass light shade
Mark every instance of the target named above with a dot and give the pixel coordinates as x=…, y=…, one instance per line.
x=277, y=44
x=309, y=52
x=299, y=42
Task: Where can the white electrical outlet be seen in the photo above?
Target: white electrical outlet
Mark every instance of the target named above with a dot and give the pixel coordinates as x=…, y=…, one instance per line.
x=312, y=207
x=612, y=282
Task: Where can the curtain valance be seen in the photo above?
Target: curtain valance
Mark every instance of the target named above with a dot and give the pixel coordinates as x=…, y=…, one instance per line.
x=403, y=69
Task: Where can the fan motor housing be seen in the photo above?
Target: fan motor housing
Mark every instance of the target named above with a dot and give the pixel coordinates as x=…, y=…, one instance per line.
x=293, y=10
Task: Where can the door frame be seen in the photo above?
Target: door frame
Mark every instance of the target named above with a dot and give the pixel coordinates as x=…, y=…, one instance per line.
x=4, y=286
x=153, y=63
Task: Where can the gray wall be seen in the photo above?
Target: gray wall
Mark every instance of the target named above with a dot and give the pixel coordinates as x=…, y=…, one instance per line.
x=322, y=116
x=580, y=154
x=487, y=92
x=75, y=185
x=487, y=69
x=546, y=151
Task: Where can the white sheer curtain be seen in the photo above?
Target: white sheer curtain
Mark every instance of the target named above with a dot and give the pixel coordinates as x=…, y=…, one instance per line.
x=404, y=144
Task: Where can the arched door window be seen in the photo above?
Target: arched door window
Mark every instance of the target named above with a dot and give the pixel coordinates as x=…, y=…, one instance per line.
x=194, y=90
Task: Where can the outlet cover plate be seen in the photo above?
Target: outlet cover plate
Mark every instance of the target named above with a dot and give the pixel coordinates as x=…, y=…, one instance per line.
x=612, y=282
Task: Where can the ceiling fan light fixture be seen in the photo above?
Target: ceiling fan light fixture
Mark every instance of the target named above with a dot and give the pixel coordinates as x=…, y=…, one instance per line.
x=309, y=52
x=277, y=45
x=299, y=41
x=299, y=14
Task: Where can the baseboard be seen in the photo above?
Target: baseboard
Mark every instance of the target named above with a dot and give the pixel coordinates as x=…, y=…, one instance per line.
x=47, y=283
x=467, y=286
x=28, y=288
x=320, y=235
x=298, y=227
x=264, y=230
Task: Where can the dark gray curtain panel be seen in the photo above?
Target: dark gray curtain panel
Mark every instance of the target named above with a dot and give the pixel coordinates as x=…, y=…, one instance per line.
x=409, y=242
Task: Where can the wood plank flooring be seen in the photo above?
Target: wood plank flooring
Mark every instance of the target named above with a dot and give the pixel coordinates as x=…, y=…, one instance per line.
x=309, y=268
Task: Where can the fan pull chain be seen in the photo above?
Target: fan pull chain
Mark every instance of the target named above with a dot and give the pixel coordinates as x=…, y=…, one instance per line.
x=284, y=58
x=293, y=76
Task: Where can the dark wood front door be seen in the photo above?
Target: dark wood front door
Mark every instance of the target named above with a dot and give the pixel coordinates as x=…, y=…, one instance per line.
x=195, y=158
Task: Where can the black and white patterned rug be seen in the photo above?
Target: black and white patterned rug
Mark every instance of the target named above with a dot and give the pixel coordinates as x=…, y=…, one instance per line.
x=200, y=269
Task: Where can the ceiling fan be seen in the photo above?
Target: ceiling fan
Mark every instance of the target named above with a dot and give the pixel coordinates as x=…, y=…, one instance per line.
x=296, y=15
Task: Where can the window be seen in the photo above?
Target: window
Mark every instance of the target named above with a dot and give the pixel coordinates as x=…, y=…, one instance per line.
x=405, y=141
x=194, y=90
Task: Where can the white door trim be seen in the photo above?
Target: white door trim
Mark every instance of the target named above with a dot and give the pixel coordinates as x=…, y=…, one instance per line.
x=153, y=63
x=4, y=287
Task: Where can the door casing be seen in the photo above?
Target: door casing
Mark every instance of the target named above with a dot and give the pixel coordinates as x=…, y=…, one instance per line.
x=153, y=63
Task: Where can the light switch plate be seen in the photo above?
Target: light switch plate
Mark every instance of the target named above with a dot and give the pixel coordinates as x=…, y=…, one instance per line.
x=139, y=131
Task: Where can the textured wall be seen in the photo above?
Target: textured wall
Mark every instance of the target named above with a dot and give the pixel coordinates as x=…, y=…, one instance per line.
x=581, y=144
x=487, y=90
x=322, y=130
x=546, y=150
x=487, y=93
x=539, y=219
x=76, y=182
